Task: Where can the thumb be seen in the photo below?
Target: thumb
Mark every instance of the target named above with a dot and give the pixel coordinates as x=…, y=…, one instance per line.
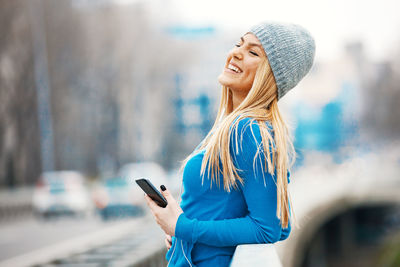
x=165, y=192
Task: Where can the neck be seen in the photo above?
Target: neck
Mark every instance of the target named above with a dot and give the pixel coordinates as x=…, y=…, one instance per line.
x=237, y=99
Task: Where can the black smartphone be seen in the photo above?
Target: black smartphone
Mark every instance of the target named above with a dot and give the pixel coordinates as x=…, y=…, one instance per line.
x=152, y=192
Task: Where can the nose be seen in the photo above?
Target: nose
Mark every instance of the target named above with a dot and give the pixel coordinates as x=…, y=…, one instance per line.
x=237, y=53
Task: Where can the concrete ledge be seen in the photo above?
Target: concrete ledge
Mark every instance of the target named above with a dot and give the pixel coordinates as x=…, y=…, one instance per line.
x=262, y=255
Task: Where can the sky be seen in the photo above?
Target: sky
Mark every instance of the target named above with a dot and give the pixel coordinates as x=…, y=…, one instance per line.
x=332, y=23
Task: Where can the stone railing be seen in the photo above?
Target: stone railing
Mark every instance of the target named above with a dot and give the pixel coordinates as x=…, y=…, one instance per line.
x=261, y=255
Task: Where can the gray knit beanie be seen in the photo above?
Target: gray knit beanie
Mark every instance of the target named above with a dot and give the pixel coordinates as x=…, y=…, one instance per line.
x=290, y=51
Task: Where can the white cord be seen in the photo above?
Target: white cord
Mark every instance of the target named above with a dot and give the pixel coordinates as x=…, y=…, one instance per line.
x=185, y=255
x=173, y=251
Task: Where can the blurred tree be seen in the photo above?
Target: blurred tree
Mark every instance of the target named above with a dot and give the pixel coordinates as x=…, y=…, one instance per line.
x=19, y=136
x=111, y=72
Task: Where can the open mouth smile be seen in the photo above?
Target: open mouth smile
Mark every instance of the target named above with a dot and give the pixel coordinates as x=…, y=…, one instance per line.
x=234, y=68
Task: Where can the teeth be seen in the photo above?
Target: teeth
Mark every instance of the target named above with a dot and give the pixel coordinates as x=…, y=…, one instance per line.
x=235, y=69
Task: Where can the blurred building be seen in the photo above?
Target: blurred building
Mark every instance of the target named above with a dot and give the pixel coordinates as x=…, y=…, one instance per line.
x=330, y=105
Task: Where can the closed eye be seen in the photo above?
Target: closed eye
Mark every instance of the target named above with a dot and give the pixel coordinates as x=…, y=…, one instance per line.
x=251, y=52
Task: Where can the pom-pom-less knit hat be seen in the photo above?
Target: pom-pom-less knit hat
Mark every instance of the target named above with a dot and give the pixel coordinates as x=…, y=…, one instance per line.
x=290, y=51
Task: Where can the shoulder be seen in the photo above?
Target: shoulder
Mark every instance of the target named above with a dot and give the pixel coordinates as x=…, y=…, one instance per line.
x=249, y=127
x=245, y=132
x=247, y=147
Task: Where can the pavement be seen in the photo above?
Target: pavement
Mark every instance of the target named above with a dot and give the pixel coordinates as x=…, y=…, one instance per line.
x=122, y=244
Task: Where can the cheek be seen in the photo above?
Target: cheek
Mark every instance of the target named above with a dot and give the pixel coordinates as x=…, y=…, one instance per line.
x=248, y=82
x=251, y=74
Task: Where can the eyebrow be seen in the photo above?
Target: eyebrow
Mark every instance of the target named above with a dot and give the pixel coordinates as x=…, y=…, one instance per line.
x=251, y=44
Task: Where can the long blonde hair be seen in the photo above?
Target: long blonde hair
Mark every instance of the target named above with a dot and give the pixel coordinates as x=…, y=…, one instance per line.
x=260, y=105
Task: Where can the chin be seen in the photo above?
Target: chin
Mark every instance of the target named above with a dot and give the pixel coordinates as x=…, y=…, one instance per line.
x=223, y=80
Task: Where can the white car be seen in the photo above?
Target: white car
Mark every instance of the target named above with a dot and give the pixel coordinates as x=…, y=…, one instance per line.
x=61, y=192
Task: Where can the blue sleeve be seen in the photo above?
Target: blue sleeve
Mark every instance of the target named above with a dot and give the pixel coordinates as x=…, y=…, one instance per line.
x=260, y=225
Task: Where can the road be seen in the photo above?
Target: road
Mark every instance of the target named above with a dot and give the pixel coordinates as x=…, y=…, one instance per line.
x=22, y=237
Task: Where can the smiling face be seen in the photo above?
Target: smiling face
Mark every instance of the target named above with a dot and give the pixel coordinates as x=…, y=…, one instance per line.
x=241, y=65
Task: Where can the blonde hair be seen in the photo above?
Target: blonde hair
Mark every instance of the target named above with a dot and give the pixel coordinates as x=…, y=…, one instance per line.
x=260, y=105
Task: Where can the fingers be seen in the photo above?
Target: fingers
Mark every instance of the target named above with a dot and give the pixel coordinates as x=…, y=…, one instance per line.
x=168, y=237
x=152, y=205
x=165, y=192
x=167, y=243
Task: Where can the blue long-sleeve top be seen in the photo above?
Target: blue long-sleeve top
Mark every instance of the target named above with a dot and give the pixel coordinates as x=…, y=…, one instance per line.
x=215, y=221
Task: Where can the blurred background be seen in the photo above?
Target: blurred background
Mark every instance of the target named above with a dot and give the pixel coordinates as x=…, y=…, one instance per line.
x=94, y=94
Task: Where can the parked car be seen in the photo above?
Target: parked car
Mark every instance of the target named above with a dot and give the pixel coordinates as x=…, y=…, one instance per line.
x=120, y=196
x=115, y=198
x=61, y=193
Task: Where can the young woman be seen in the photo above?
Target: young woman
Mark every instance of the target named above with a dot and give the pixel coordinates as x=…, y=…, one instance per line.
x=235, y=182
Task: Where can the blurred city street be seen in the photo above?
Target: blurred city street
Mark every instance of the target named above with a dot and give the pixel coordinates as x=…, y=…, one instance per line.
x=97, y=94
x=30, y=235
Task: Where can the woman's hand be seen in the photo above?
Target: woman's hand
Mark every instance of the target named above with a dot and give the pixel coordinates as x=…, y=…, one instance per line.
x=168, y=216
x=168, y=241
